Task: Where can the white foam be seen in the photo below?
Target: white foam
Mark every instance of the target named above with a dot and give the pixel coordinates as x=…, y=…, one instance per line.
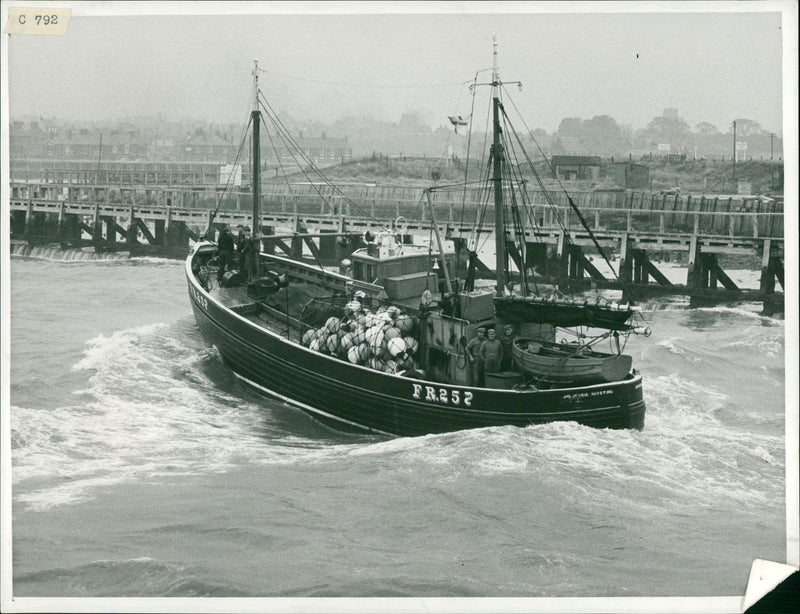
x=142, y=418
x=57, y=254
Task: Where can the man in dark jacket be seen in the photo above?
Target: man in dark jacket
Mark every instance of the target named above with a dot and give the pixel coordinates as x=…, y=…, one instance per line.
x=491, y=352
x=225, y=249
x=245, y=249
x=473, y=358
x=241, y=239
x=507, y=339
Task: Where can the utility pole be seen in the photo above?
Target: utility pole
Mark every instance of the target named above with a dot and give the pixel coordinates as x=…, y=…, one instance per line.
x=734, y=150
x=99, y=158
x=771, y=165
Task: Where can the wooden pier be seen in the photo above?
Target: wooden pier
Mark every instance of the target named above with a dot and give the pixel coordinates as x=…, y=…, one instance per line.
x=695, y=231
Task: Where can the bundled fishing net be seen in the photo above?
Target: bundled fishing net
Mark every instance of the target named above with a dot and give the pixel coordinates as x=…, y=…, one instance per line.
x=383, y=340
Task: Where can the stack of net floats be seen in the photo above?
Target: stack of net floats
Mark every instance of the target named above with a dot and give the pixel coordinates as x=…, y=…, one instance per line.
x=383, y=340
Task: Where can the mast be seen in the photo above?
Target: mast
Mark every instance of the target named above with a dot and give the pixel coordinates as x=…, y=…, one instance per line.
x=497, y=178
x=256, y=162
x=439, y=242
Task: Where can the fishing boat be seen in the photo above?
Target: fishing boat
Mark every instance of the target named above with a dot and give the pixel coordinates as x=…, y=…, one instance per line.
x=380, y=345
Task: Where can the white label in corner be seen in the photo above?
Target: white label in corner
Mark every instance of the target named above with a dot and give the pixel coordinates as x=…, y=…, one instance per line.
x=41, y=21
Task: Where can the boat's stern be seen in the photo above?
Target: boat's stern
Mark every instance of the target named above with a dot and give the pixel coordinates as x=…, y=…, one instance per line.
x=631, y=401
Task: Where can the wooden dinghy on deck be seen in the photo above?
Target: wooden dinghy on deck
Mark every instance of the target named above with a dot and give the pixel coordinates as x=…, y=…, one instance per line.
x=568, y=364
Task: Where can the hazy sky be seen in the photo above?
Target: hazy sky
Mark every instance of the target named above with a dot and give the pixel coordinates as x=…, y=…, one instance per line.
x=712, y=67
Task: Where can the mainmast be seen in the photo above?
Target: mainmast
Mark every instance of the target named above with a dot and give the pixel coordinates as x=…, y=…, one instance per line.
x=497, y=178
x=256, y=120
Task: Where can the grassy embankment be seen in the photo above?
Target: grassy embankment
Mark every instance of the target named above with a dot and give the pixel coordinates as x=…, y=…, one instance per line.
x=690, y=176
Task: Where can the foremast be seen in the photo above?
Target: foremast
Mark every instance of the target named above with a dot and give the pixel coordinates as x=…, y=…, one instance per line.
x=256, y=162
x=254, y=241
x=498, y=155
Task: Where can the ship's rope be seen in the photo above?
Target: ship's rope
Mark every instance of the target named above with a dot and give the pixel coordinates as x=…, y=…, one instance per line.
x=469, y=152
x=564, y=190
x=292, y=146
x=230, y=178
x=366, y=85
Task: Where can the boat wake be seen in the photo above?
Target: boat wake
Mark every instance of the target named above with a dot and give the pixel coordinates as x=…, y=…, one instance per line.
x=50, y=253
x=57, y=254
x=158, y=403
x=149, y=410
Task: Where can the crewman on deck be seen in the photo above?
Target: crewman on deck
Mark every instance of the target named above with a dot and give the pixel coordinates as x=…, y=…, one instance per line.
x=244, y=246
x=491, y=352
x=241, y=239
x=225, y=252
x=507, y=339
x=473, y=357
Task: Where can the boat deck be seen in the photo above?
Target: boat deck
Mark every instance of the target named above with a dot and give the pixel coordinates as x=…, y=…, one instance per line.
x=233, y=297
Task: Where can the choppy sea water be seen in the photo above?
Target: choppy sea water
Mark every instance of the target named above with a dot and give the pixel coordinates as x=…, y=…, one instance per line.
x=141, y=467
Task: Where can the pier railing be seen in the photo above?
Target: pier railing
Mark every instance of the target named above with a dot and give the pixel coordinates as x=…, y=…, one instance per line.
x=656, y=222
x=737, y=216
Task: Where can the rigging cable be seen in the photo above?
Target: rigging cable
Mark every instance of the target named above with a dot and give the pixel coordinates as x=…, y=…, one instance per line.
x=230, y=178
x=280, y=163
x=466, y=163
x=635, y=315
x=293, y=145
x=366, y=85
x=515, y=178
x=569, y=199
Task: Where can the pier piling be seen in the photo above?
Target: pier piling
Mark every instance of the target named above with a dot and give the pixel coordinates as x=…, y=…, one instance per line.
x=636, y=227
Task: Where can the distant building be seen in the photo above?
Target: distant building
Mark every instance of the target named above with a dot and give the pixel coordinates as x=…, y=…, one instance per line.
x=320, y=150
x=85, y=145
x=670, y=114
x=631, y=176
x=203, y=147
x=126, y=146
x=164, y=149
x=27, y=141
x=76, y=145
x=571, y=168
x=569, y=146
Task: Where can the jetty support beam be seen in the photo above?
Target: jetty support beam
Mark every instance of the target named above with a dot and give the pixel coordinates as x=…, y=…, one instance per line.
x=536, y=256
x=562, y=255
x=575, y=262
x=111, y=228
x=69, y=229
x=461, y=244
x=771, y=267
x=131, y=237
x=328, y=246
x=311, y=246
x=177, y=235
x=513, y=252
x=644, y=269
x=160, y=232
x=716, y=274
x=694, y=265
x=583, y=264
x=145, y=231
x=17, y=224
x=625, y=258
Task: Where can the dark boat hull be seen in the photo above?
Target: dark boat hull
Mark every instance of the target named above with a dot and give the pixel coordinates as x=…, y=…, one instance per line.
x=353, y=397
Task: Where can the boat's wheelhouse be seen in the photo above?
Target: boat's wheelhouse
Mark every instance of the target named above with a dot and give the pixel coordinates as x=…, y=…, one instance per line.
x=405, y=271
